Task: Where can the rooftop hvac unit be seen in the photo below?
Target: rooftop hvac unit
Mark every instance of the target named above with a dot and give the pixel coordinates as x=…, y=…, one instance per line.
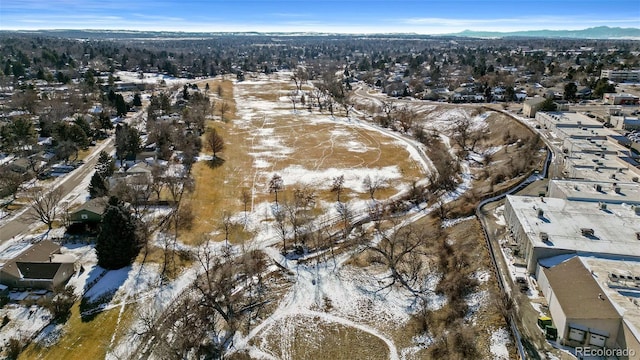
x=617, y=189
x=634, y=179
x=544, y=236
x=540, y=213
x=613, y=277
x=598, y=187
x=638, y=235
x=602, y=206
x=587, y=231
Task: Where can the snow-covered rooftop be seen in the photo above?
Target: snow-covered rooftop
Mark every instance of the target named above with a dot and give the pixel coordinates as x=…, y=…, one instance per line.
x=615, y=228
x=595, y=191
x=623, y=294
x=566, y=119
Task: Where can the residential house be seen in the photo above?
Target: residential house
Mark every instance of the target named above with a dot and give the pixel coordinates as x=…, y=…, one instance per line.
x=90, y=212
x=41, y=266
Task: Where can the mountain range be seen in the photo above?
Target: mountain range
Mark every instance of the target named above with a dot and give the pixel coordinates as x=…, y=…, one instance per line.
x=600, y=32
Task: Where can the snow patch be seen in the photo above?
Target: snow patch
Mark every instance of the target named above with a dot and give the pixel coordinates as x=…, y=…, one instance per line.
x=499, y=341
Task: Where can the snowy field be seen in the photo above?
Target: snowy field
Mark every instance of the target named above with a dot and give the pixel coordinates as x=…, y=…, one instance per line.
x=306, y=149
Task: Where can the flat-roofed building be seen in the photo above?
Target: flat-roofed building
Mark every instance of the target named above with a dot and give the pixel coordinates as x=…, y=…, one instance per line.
x=620, y=99
x=595, y=191
x=601, y=167
x=545, y=227
x=621, y=75
x=562, y=120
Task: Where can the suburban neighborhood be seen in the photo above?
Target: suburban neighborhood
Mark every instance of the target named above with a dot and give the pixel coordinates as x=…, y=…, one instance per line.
x=176, y=195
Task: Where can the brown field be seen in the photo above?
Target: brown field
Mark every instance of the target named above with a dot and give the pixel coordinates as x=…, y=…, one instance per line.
x=90, y=340
x=279, y=139
x=305, y=338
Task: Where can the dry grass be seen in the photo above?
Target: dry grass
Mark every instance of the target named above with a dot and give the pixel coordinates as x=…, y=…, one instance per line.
x=83, y=340
x=305, y=338
x=315, y=146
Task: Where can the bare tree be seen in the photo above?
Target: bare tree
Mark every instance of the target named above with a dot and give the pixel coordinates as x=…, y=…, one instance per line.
x=226, y=225
x=337, y=186
x=246, y=201
x=373, y=185
x=299, y=77
x=304, y=198
x=317, y=94
x=177, y=186
x=407, y=116
x=203, y=322
x=214, y=141
x=223, y=108
x=276, y=184
x=44, y=205
x=346, y=216
x=280, y=216
x=10, y=182
x=347, y=104
x=293, y=96
x=399, y=249
x=461, y=130
x=388, y=108
x=135, y=190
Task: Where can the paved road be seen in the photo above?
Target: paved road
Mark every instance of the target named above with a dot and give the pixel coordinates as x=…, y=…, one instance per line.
x=21, y=223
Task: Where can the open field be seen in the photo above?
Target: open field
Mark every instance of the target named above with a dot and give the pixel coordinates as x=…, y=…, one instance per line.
x=308, y=149
x=90, y=340
x=332, y=306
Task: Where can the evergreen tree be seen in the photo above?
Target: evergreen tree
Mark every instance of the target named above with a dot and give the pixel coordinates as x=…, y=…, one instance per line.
x=121, y=105
x=570, y=90
x=118, y=243
x=137, y=100
x=105, y=166
x=603, y=86
x=549, y=105
x=97, y=186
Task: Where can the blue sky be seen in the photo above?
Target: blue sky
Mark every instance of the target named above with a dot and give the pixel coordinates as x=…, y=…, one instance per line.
x=339, y=16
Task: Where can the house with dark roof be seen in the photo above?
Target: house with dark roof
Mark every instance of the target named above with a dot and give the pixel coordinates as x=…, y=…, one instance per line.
x=89, y=212
x=582, y=313
x=41, y=266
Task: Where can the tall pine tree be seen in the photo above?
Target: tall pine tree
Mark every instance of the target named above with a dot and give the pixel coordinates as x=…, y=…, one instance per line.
x=97, y=186
x=117, y=244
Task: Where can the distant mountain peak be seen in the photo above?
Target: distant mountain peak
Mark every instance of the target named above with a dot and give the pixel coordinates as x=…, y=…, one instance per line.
x=598, y=32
